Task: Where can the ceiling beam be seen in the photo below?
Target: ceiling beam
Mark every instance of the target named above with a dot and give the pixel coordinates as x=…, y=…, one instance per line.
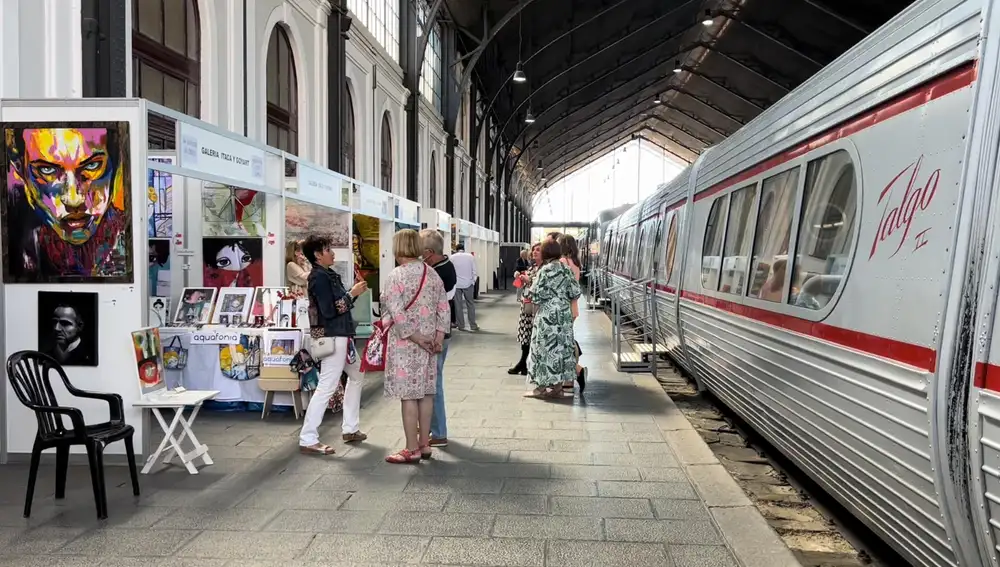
x=681, y=129
x=842, y=19
x=759, y=104
x=784, y=84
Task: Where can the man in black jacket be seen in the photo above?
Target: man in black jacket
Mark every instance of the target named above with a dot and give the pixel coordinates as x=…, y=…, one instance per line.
x=433, y=246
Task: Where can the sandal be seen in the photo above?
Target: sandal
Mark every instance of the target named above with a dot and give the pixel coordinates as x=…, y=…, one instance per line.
x=537, y=393
x=554, y=393
x=317, y=449
x=425, y=452
x=404, y=456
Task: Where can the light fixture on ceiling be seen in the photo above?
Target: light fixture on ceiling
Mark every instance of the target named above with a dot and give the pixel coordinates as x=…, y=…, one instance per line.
x=658, y=99
x=529, y=118
x=677, y=67
x=539, y=168
x=544, y=179
x=519, y=76
x=709, y=20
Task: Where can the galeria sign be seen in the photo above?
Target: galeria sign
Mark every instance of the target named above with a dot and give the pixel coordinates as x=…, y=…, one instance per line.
x=216, y=337
x=210, y=153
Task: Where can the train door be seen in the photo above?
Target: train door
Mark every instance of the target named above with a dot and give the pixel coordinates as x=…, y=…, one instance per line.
x=648, y=246
x=667, y=274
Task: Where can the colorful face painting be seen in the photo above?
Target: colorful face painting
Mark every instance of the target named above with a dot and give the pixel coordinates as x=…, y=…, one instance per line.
x=227, y=211
x=160, y=201
x=233, y=262
x=66, y=203
x=148, y=356
x=159, y=267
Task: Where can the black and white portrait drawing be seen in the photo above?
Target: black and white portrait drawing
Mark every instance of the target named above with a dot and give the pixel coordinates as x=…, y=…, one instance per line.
x=67, y=327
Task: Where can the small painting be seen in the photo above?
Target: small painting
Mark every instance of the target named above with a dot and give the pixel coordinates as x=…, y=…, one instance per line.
x=195, y=307
x=281, y=346
x=67, y=327
x=66, y=203
x=233, y=262
x=233, y=302
x=266, y=305
x=160, y=200
x=241, y=361
x=159, y=311
x=159, y=267
x=148, y=357
x=228, y=211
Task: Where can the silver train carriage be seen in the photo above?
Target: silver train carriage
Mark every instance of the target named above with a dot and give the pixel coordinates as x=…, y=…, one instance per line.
x=831, y=272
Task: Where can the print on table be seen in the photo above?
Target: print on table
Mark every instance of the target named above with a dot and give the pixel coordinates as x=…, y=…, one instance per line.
x=229, y=211
x=66, y=203
x=160, y=200
x=67, y=327
x=195, y=307
x=233, y=262
x=234, y=304
x=266, y=304
x=159, y=311
x=148, y=357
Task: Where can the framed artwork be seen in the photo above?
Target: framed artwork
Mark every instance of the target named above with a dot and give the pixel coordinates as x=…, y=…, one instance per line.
x=281, y=346
x=229, y=211
x=148, y=358
x=266, y=305
x=233, y=262
x=159, y=311
x=160, y=200
x=68, y=327
x=195, y=307
x=159, y=267
x=241, y=361
x=303, y=219
x=233, y=302
x=66, y=203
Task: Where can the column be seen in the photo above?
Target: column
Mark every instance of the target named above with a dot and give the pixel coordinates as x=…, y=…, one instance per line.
x=410, y=61
x=104, y=25
x=338, y=24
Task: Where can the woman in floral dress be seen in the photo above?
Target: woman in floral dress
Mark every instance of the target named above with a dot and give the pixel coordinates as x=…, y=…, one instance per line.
x=415, y=304
x=527, y=316
x=553, y=352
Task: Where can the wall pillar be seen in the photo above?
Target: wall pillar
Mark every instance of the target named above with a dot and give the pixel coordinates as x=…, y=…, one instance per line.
x=338, y=24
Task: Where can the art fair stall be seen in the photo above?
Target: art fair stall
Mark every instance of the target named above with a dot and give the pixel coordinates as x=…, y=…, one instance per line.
x=440, y=220
x=407, y=214
x=374, y=224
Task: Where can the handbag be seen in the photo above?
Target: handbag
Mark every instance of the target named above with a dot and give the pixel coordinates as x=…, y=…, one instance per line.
x=321, y=347
x=529, y=309
x=175, y=356
x=373, y=357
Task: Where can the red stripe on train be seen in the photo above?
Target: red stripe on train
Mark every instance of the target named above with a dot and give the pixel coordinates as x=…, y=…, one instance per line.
x=915, y=355
x=945, y=84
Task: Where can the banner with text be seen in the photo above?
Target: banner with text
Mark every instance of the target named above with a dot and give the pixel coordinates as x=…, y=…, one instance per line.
x=211, y=153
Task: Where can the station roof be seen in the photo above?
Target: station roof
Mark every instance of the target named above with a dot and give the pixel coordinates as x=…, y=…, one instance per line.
x=596, y=67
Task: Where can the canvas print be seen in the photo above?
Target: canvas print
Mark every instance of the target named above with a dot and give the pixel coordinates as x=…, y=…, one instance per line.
x=266, y=303
x=159, y=267
x=228, y=211
x=233, y=262
x=66, y=203
x=241, y=361
x=67, y=327
x=160, y=201
x=234, y=304
x=281, y=346
x=148, y=357
x=159, y=311
x=195, y=307
x=304, y=219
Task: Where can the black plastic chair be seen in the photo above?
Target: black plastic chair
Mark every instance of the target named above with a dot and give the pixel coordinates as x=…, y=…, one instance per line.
x=29, y=375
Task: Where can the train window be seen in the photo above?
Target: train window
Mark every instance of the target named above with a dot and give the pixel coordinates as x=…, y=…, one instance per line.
x=711, y=249
x=671, y=247
x=770, y=243
x=826, y=230
x=738, y=240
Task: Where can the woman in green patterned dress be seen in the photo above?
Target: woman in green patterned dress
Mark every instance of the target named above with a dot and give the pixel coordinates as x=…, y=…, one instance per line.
x=553, y=354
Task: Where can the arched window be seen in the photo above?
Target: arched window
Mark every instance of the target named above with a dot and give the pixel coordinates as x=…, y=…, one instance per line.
x=386, y=154
x=166, y=49
x=348, y=135
x=282, y=97
x=433, y=185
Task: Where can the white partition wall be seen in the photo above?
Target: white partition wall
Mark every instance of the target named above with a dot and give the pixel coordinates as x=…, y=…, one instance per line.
x=121, y=125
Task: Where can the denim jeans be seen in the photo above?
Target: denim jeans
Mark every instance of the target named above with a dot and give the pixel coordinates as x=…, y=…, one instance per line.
x=439, y=425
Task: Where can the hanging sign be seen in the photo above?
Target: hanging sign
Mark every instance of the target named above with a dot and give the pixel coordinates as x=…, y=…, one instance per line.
x=321, y=187
x=408, y=212
x=463, y=228
x=443, y=221
x=373, y=202
x=208, y=152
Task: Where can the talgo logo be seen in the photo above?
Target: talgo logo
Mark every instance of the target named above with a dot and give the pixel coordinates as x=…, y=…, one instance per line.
x=899, y=213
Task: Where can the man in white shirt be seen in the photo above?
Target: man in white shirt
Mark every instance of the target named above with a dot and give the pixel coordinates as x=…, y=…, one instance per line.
x=466, y=275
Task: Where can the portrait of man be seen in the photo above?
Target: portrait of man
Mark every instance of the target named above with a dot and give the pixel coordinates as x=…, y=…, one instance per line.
x=67, y=203
x=67, y=327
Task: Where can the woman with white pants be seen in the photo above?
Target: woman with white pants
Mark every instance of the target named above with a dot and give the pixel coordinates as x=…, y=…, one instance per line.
x=330, y=317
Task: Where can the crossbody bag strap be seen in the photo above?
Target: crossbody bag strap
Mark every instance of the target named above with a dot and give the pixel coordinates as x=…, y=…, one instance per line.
x=420, y=288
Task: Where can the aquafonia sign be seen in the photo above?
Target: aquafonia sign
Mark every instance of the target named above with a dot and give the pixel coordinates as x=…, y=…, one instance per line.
x=216, y=337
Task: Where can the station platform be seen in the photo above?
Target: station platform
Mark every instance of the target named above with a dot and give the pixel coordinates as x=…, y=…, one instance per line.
x=614, y=477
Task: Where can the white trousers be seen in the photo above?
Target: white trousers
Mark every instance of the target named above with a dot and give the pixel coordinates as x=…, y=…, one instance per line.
x=329, y=379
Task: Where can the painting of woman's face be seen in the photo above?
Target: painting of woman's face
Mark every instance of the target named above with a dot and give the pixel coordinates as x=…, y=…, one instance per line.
x=233, y=258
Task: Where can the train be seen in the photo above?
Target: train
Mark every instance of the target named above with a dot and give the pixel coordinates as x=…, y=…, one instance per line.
x=831, y=271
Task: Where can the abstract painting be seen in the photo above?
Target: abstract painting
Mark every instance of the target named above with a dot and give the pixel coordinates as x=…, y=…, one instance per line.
x=304, y=219
x=228, y=211
x=67, y=327
x=159, y=267
x=66, y=203
x=195, y=307
x=148, y=357
x=233, y=262
x=160, y=201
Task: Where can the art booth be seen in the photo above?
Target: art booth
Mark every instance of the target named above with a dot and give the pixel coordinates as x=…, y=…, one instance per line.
x=374, y=223
x=407, y=214
x=440, y=220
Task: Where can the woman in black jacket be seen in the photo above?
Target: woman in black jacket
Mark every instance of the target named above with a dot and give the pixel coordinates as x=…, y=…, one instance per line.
x=330, y=316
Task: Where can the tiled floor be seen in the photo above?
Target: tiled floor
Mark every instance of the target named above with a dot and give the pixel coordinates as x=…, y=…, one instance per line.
x=613, y=478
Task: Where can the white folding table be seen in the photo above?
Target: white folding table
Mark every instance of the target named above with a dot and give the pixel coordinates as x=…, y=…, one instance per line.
x=170, y=447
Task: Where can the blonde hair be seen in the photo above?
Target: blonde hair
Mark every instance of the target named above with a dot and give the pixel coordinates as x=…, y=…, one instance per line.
x=291, y=247
x=406, y=244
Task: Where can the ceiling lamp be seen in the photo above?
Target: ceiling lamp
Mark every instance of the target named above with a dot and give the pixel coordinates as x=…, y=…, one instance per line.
x=519, y=76
x=539, y=168
x=529, y=118
x=544, y=179
x=709, y=20
x=677, y=67
x=658, y=100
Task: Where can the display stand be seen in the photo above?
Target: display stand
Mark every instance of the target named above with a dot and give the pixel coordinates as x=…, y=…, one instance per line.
x=374, y=225
x=173, y=439
x=407, y=214
x=435, y=218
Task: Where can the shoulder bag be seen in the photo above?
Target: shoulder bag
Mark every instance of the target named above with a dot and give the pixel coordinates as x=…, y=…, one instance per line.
x=373, y=357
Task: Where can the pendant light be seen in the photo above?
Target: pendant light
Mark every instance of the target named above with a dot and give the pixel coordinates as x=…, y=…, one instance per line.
x=529, y=118
x=709, y=20
x=519, y=76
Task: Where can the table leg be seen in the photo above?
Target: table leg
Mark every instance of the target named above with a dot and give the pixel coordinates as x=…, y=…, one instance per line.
x=168, y=431
x=189, y=433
